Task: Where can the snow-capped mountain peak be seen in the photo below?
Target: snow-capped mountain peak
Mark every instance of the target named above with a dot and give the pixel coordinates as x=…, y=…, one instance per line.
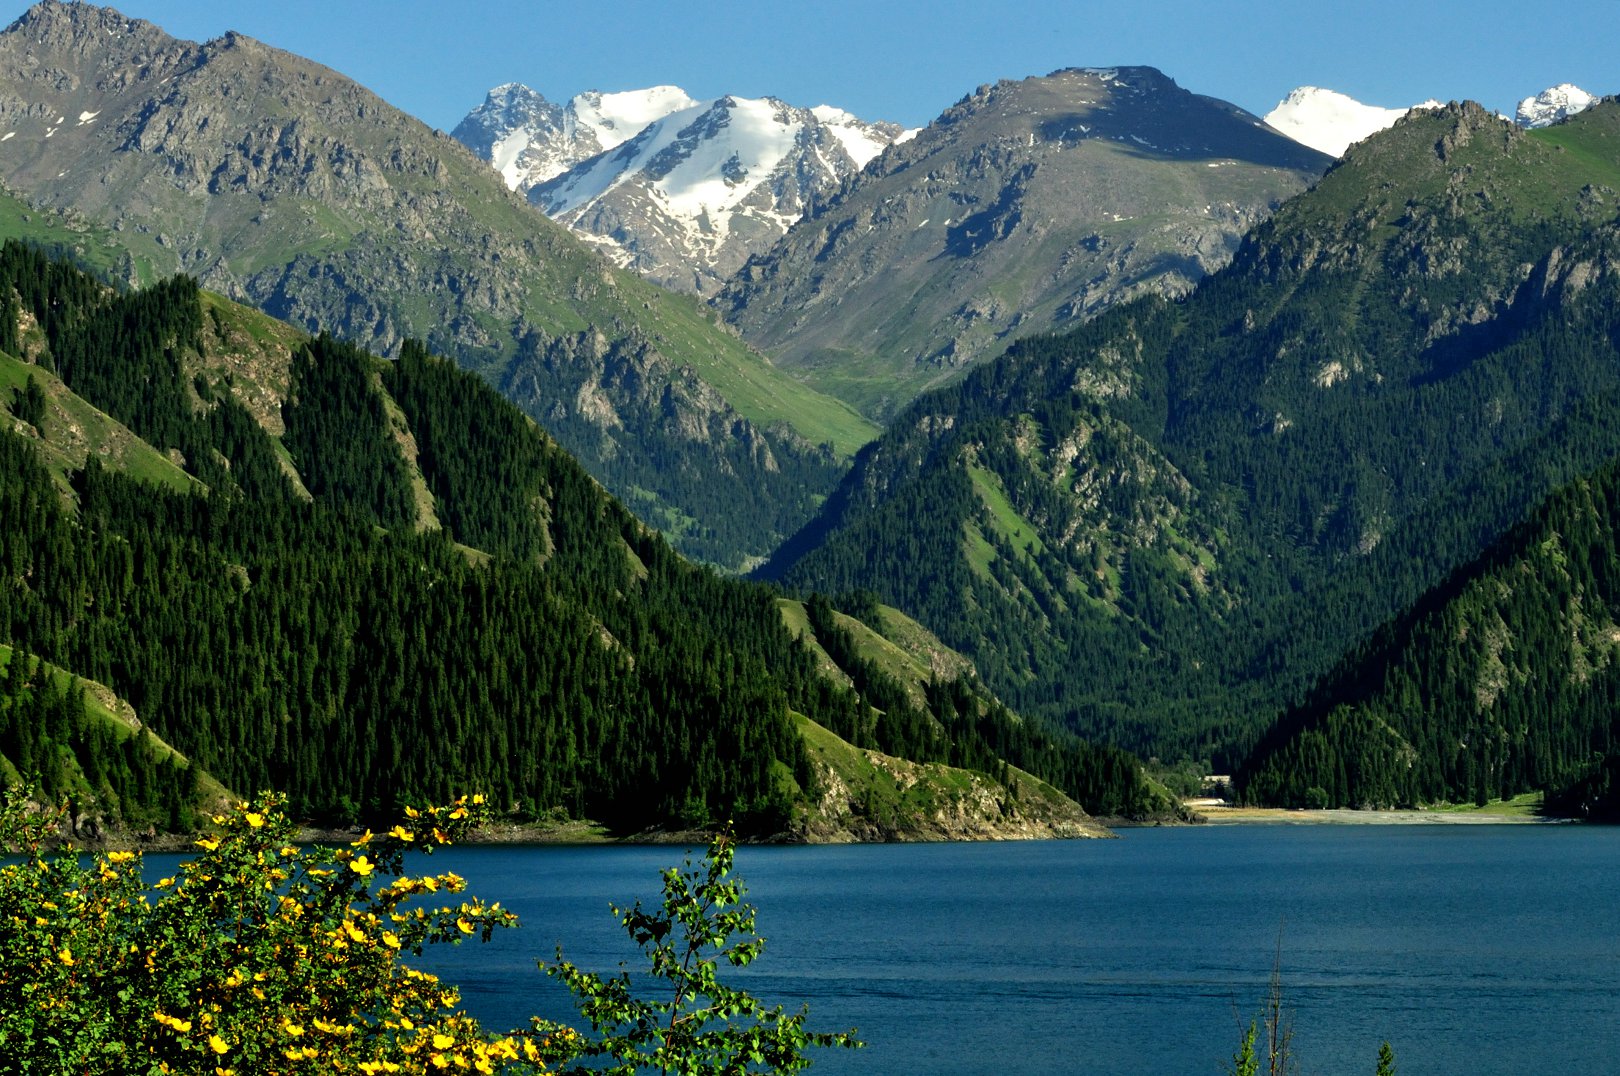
x=1553, y=104
x=1329, y=121
x=681, y=190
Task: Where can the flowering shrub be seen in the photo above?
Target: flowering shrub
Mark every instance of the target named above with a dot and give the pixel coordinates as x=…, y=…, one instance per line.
x=257, y=957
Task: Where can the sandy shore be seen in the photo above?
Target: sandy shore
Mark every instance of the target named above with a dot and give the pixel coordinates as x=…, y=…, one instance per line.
x=1216, y=814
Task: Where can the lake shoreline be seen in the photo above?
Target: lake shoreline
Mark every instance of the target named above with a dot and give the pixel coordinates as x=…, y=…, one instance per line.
x=1220, y=814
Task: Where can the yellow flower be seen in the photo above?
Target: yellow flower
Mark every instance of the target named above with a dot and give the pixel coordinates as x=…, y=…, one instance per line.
x=478, y=798
x=120, y=857
x=66, y=956
x=400, y=833
x=254, y=819
x=207, y=844
x=443, y=1042
x=361, y=866
x=218, y=1045
x=390, y=939
x=171, y=1021
x=362, y=840
x=464, y=926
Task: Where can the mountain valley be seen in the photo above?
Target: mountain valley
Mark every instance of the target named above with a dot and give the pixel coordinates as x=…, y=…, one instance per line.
x=1164, y=526
x=1096, y=421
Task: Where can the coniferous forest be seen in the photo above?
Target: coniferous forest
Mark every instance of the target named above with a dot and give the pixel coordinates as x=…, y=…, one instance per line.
x=372, y=634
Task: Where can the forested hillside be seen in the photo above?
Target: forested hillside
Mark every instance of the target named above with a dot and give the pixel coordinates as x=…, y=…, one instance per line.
x=390, y=586
x=1165, y=525
x=1505, y=679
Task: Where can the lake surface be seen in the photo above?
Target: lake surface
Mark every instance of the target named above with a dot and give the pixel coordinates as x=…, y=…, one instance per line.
x=1475, y=950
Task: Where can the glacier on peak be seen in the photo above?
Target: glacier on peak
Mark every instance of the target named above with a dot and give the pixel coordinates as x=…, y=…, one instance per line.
x=529, y=139
x=615, y=118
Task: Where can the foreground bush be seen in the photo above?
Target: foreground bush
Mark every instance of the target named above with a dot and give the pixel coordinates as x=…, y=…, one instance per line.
x=261, y=957
x=257, y=957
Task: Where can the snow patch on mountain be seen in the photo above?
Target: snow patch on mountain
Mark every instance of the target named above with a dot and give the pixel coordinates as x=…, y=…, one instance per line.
x=855, y=135
x=1553, y=104
x=1329, y=121
x=614, y=118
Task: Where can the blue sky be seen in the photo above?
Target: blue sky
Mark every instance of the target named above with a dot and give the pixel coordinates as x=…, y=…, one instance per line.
x=907, y=60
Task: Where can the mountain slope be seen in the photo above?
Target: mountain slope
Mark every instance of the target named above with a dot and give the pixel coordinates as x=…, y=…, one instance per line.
x=1168, y=522
x=276, y=181
x=77, y=742
x=1502, y=680
x=1027, y=205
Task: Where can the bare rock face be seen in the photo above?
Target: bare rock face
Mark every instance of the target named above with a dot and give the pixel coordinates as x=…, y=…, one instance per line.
x=1024, y=207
